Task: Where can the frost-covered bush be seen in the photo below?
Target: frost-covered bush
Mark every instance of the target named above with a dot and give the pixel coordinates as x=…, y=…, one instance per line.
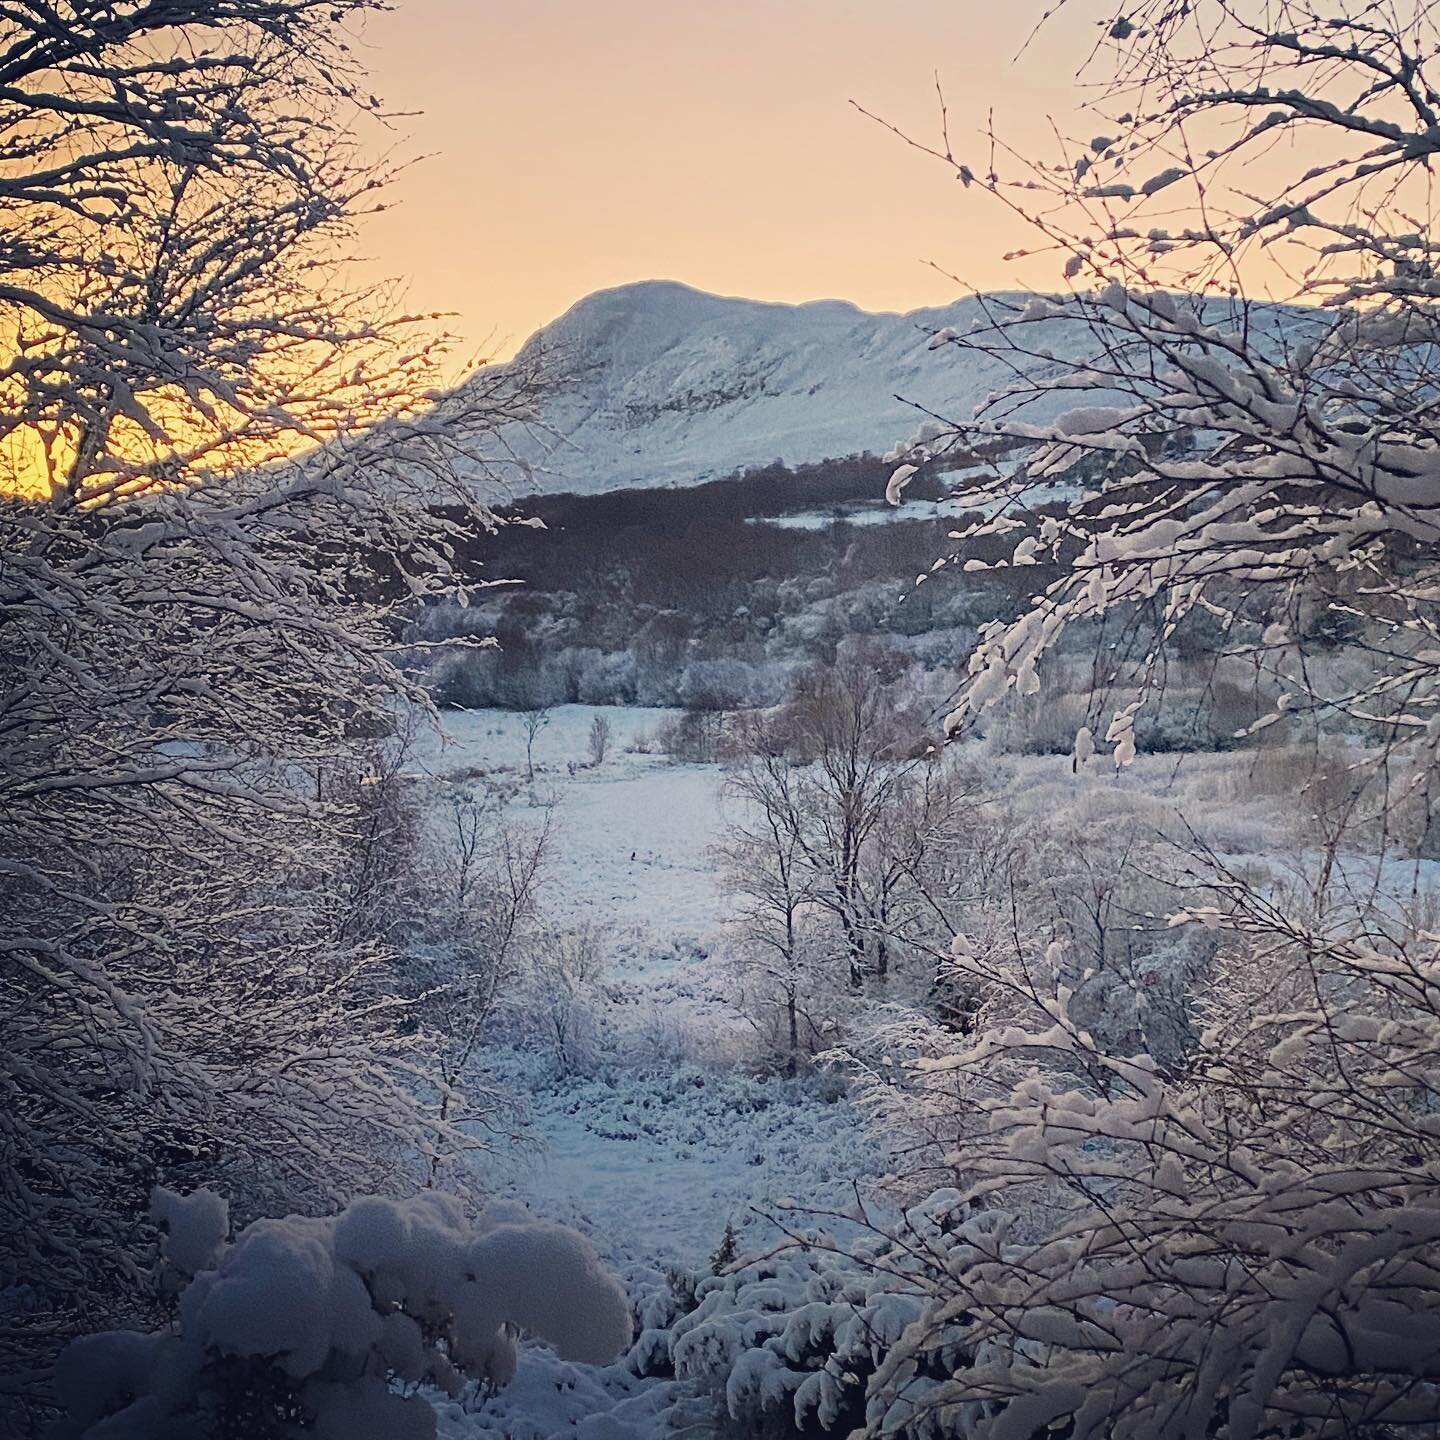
x=788, y=1344
x=1024, y=726
x=728, y=684
x=464, y=679
x=562, y=996
x=325, y=1326
x=1248, y=1244
x=1202, y=706
x=693, y=736
x=605, y=678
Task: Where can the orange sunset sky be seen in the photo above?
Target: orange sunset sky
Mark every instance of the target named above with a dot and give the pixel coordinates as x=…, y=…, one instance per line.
x=574, y=145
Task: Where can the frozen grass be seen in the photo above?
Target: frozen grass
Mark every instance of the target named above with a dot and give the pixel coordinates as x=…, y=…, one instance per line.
x=667, y=1140
x=653, y=1161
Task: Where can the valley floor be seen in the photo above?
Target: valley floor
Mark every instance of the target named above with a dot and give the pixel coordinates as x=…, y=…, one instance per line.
x=664, y=1139
x=668, y=1134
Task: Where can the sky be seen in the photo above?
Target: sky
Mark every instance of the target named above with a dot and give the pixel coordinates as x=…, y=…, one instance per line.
x=572, y=145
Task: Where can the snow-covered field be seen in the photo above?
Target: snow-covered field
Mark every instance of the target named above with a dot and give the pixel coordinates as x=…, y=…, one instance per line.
x=879, y=513
x=632, y=834
x=655, y=1147
x=667, y=1140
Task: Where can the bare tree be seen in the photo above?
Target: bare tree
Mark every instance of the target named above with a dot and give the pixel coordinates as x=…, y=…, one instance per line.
x=494, y=872
x=566, y=969
x=227, y=474
x=825, y=770
x=765, y=867
x=926, y=816
x=533, y=720
x=182, y=184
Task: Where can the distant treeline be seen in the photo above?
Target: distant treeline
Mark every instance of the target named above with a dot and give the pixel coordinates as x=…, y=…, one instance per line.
x=698, y=549
x=690, y=597
x=772, y=489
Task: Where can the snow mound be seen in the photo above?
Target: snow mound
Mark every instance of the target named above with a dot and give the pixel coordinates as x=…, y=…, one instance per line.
x=335, y=1312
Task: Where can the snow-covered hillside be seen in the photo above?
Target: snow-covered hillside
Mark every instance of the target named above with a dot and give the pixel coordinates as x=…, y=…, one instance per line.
x=658, y=384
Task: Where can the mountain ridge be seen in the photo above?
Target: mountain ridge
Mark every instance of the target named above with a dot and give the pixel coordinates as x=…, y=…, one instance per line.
x=657, y=383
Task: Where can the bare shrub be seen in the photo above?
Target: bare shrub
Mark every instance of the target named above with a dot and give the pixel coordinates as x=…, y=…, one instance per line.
x=564, y=992
x=694, y=737
x=599, y=740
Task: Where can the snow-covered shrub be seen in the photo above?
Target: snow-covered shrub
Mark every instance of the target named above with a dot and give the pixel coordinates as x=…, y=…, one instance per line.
x=1250, y=1241
x=1202, y=706
x=598, y=740
x=563, y=994
x=606, y=679
x=1067, y=902
x=464, y=679
x=1208, y=717
x=1023, y=725
x=1329, y=788
x=325, y=1326
x=788, y=1344
x=693, y=736
x=727, y=684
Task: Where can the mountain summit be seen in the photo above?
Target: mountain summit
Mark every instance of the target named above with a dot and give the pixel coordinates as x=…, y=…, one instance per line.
x=658, y=384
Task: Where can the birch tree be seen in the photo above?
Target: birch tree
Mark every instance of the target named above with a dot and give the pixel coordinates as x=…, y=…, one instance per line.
x=1247, y=1246
x=227, y=472
x=1272, y=464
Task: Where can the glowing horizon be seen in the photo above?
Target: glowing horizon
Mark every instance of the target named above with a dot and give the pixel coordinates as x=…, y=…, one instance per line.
x=574, y=148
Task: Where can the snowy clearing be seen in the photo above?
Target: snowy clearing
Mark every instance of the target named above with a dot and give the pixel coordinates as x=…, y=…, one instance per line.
x=654, y=1153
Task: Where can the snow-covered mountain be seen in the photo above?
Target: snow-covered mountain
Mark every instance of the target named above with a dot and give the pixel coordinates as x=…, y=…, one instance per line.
x=659, y=384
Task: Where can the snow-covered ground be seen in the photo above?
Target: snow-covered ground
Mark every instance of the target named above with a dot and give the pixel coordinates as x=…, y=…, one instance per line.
x=668, y=1137
x=879, y=513
x=632, y=834
x=653, y=1163
x=656, y=1148
x=653, y=1149
x=667, y=1140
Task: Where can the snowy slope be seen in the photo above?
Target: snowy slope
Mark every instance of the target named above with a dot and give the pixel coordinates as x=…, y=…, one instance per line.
x=658, y=384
